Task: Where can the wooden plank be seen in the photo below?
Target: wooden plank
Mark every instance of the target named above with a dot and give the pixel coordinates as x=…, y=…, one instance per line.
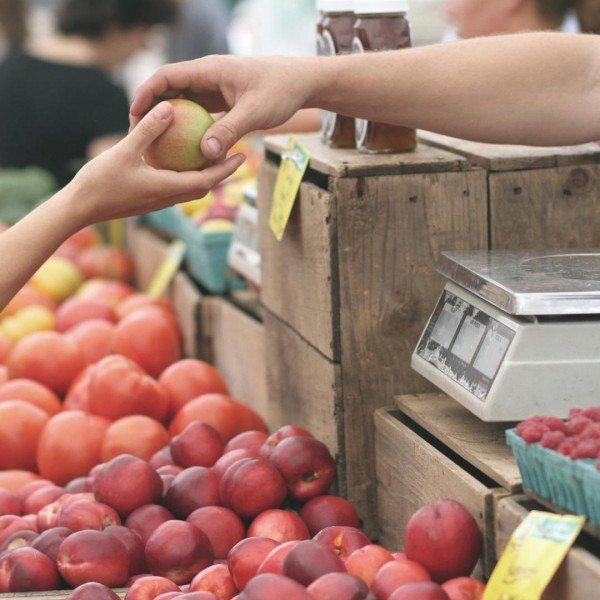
x=238, y=342
x=54, y=595
x=298, y=279
x=304, y=388
x=339, y=162
x=578, y=578
x=505, y=157
x=186, y=300
x=481, y=444
x=147, y=251
x=412, y=473
x=545, y=208
x=390, y=233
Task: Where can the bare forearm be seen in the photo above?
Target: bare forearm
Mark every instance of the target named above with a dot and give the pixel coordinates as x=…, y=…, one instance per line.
x=539, y=88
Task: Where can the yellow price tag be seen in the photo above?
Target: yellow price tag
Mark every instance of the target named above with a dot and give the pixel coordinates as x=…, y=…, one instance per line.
x=534, y=553
x=289, y=177
x=116, y=233
x=167, y=269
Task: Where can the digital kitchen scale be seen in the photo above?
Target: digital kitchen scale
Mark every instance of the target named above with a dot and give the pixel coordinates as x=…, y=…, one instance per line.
x=516, y=334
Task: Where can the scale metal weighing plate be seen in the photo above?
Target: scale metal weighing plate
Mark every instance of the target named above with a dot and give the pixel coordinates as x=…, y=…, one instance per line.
x=516, y=334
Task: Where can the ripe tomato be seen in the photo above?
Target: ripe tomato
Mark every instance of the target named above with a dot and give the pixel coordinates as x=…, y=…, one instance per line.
x=27, y=296
x=48, y=357
x=3, y=373
x=21, y=424
x=141, y=300
x=15, y=479
x=189, y=378
x=70, y=445
x=31, y=391
x=78, y=310
x=148, y=337
x=94, y=338
x=5, y=347
x=137, y=434
x=78, y=396
x=119, y=387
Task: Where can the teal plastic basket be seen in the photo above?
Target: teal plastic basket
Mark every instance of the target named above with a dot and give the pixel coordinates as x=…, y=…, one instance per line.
x=571, y=484
x=206, y=253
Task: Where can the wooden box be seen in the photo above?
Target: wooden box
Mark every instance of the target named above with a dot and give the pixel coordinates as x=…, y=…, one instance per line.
x=349, y=288
x=578, y=578
x=429, y=448
x=539, y=197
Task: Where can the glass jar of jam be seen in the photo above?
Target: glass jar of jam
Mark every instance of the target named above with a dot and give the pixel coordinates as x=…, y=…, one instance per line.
x=382, y=25
x=335, y=33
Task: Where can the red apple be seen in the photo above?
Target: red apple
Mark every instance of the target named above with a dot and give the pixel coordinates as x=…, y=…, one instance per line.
x=87, y=514
x=423, y=590
x=193, y=488
x=146, y=519
x=281, y=434
x=246, y=556
x=94, y=590
x=247, y=440
x=444, y=538
x=366, y=561
x=93, y=556
x=198, y=445
x=127, y=482
x=343, y=540
x=178, y=550
x=339, y=586
x=279, y=525
x=396, y=573
x=273, y=562
x=464, y=588
x=50, y=540
x=222, y=526
x=271, y=586
x=326, y=511
x=251, y=486
x=27, y=570
x=308, y=560
x=216, y=579
x=150, y=587
x=306, y=465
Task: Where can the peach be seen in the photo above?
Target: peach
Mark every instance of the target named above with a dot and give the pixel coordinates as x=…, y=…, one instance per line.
x=126, y=483
x=146, y=519
x=31, y=487
x=107, y=262
x=35, y=501
x=230, y=458
x=87, y=514
x=273, y=562
x=50, y=540
x=91, y=555
x=9, y=503
x=246, y=556
x=279, y=525
x=271, y=586
x=326, y=511
x=198, y=445
x=395, y=573
x=27, y=570
x=169, y=596
x=281, y=434
x=178, y=550
x=149, y=587
x=247, y=440
x=74, y=311
x=134, y=546
x=94, y=590
x=193, y=488
x=340, y=586
x=10, y=524
x=423, y=590
x=18, y=540
x=161, y=458
x=79, y=484
x=366, y=561
x=464, y=588
x=342, y=539
x=216, y=579
x=308, y=560
x=222, y=526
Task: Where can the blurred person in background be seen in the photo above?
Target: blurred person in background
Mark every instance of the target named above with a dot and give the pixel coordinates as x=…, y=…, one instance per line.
x=13, y=24
x=588, y=14
x=475, y=18
x=59, y=104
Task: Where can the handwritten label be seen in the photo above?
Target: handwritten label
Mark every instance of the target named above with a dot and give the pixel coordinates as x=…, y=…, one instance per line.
x=533, y=555
x=167, y=269
x=294, y=162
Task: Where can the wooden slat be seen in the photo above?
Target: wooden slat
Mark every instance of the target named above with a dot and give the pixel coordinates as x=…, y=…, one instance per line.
x=298, y=280
x=505, y=157
x=545, y=208
x=54, y=595
x=351, y=163
x=578, y=578
x=481, y=444
x=186, y=300
x=412, y=473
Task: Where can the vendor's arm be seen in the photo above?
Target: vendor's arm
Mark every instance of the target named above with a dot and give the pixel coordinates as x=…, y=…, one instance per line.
x=116, y=184
x=533, y=88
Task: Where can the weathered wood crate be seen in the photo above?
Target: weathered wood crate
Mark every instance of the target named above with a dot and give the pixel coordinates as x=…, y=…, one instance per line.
x=578, y=578
x=428, y=448
x=539, y=198
x=350, y=286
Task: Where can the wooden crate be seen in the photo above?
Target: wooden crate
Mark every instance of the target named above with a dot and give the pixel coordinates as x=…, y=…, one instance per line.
x=429, y=448
x=539, y=198
x=578, y=578
x=353, y=282
x=56, y=595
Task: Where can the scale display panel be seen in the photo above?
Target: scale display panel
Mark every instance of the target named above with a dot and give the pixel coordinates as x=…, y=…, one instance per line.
x=465, y=344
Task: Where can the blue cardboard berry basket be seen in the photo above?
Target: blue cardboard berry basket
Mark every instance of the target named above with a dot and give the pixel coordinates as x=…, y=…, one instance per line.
x=206, y=253
x=571, y=484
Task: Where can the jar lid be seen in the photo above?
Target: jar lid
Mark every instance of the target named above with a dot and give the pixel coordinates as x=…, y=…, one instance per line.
x=369, y=7
x=335, y=6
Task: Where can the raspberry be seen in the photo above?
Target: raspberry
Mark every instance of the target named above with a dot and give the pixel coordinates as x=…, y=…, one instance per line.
x=533, y=432
x=577, y=425
x=575, y=412
x=592, y=413
x=566, y=448
x=586, y=449
x=554, y=424
x=552, y=439
x=592, y=431
x=526, y=423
